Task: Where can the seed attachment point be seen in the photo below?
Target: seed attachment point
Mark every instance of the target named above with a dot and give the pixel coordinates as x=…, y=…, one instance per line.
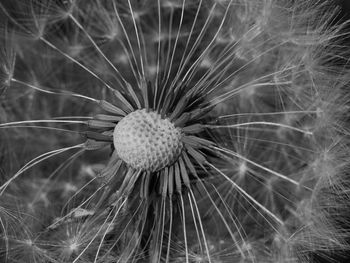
x=146, y=141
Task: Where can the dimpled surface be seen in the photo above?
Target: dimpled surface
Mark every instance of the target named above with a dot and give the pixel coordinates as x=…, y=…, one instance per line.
x=146, y=141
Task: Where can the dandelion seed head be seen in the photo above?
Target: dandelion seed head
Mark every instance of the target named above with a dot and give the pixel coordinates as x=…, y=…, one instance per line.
x=28, y=242
x=145, y=141
x=242, y=169
x=73, y=246
x=204, y=131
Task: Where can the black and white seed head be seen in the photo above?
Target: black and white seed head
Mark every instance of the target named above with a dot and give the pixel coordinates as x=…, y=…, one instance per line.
x=146, y=141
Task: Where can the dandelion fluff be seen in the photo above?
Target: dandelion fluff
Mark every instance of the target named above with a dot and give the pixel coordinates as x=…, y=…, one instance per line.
x=173, y=131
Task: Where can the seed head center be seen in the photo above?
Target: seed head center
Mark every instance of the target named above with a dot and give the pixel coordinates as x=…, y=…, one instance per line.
x=145, y=141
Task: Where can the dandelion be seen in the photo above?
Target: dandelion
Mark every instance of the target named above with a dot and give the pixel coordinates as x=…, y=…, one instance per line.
x=173, y=131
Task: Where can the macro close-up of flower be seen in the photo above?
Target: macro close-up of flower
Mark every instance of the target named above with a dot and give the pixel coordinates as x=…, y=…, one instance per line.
x=196, y=131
